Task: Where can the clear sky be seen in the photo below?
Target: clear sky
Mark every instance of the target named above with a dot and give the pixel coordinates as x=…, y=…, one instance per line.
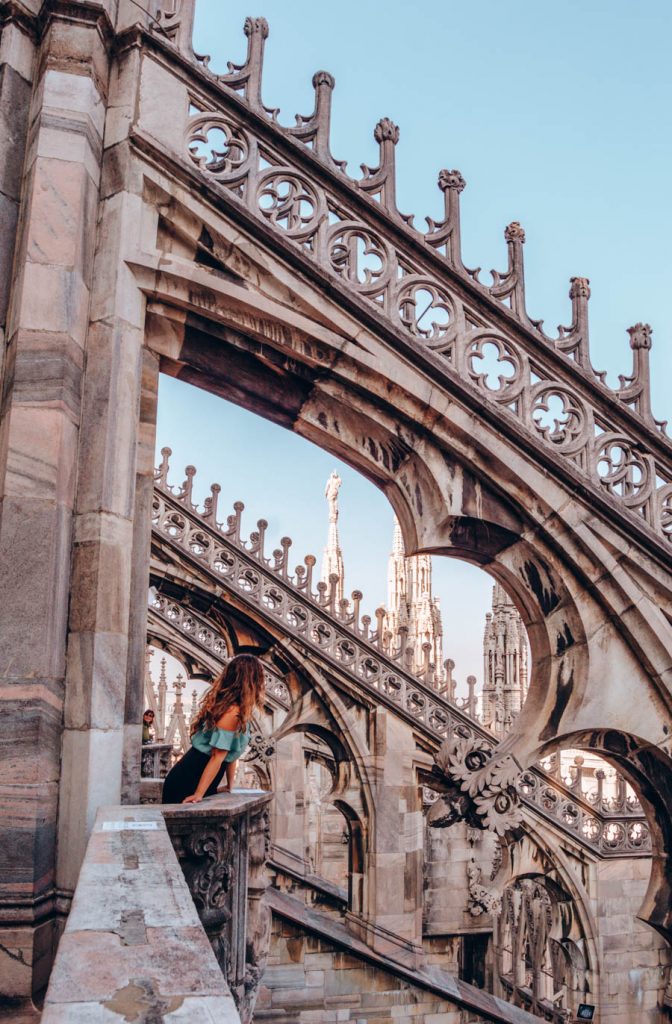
x=558, y=116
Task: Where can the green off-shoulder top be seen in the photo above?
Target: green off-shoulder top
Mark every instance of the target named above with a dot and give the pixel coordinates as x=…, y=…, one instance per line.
x=206, y=740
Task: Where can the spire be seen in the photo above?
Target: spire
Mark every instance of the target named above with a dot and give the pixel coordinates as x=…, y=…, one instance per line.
x=504, y=663
x=332, y=559
x=412, y=612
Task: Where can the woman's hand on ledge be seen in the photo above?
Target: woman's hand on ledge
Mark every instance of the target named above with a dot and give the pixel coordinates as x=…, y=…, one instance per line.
x=193, y=799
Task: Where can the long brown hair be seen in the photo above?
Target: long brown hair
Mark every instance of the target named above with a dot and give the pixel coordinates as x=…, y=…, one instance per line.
x=241, y=685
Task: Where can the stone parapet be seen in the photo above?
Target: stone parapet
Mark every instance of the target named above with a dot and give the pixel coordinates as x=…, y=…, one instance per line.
x=133, y=942
x=136, y=941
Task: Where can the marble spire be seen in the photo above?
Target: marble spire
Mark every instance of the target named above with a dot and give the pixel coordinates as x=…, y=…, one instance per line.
x=505, y=663
x=412, y=611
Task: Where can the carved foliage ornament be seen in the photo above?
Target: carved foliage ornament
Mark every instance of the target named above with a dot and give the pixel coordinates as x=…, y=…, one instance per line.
x=488, y=795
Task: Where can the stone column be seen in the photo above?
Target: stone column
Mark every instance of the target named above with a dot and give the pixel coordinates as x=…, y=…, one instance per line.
x=392, y=918
x=111, y=526
x=17, y=59
x=46, y=334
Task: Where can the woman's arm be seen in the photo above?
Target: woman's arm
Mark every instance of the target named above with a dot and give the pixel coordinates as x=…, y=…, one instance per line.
x=231, y=774
x=228, y=722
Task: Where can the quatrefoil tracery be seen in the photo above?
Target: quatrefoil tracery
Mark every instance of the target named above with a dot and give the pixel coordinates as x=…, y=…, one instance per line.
x=289, y=202
x=559, y=416
x=218, y=146
x=495, y=366
x=360, y=257
x=621, y=469
x=425, y=309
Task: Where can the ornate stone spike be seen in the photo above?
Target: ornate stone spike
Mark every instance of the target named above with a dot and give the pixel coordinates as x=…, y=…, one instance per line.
x=323, y=83
x=257, y=539
x=309, y=562
x=210, y=504
x=511, y=285
x=356, y=603
x=636, y=389
x=574, y=341
x=316, y=128
x=447, y=233
x=188, y=486
x=247, y=77
x=333, y=592
x=471, y=699
x=380, y=627
x=233, y=522
x=449, y=666
x=256, y=30
x=381, y=181
x=161, y=473
x=285, y=544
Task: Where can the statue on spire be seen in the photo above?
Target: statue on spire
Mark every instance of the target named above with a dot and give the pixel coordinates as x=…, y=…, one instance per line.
x=331, y=494
x=333, y=573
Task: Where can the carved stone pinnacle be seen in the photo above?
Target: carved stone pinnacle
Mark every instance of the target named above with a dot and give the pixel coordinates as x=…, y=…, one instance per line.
x=451, y=180
x=640, y=336
x=386, y=129
x=514, y=232
x=254, y=25
x=323, y=78
x=579, y=288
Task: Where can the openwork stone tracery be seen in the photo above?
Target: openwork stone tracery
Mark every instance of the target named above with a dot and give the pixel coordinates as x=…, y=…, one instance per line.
x=417, y=281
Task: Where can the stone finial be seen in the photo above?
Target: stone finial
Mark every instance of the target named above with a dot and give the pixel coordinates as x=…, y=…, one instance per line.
x=513, y=232
x=323, y=78
x=451, y=180
x=579, y=288
x=386, y=130
x=640, y=336
x=255, y=26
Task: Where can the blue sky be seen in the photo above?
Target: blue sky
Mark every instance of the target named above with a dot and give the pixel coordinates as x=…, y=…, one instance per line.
x=557, y=114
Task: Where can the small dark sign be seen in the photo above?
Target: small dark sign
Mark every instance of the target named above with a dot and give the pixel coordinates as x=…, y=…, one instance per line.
x=585, y=1012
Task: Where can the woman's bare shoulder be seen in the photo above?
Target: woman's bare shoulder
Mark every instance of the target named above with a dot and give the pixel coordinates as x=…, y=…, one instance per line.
x=230, y=719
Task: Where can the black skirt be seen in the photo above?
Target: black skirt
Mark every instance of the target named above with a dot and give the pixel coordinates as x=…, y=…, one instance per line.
x=183, y=778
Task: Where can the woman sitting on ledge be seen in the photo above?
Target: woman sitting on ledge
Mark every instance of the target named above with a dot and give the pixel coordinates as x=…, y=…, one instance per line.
x=219, y=733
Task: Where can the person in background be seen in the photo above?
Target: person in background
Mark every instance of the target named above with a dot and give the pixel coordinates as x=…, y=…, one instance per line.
x=148, y=726
x=220, y=733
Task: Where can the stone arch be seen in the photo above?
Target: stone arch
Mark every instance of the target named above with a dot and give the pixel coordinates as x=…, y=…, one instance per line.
x=455, y=490
x=648, y=769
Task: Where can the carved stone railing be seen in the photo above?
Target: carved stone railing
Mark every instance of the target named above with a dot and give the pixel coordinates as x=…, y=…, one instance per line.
x=339, y=636
x=416, y=283
x=202, y=633
x=222, y=845
x=155, y=760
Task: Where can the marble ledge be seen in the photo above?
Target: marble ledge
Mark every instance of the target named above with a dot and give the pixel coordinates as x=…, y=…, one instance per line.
x=121, y=953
